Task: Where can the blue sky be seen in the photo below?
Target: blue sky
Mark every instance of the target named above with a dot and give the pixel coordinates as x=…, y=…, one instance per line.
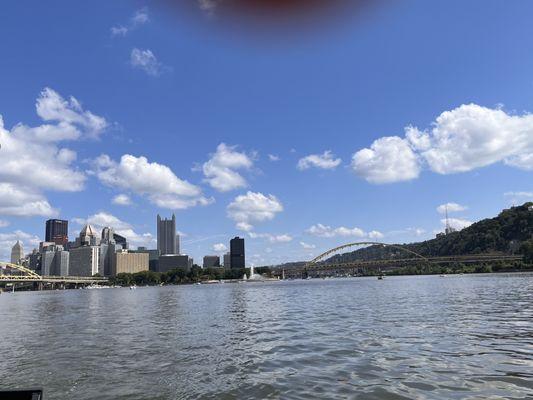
x=182, y=115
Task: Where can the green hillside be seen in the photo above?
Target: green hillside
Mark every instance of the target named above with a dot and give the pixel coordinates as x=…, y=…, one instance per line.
x=511, y=232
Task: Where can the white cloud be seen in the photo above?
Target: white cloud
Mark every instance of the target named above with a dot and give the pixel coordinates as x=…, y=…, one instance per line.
x=375, y=235
x=323, y=161
x=23, y=202
x=33, y=161
x=460, y=140
x=451, y=207
x=156, y=181
x=273, y=157
x=103, y=219
x=252, y=207
x=457, y=223
x=472, y=136
x=307, y=246
x=221, y=169
x=389, y=159
x=219, y=248
x=146, y=60
x=122, y=200
x=140, y=17
x=284, y=238
x=326, y=231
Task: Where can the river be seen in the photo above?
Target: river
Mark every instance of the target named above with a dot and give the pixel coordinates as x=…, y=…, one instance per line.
x=429, y=337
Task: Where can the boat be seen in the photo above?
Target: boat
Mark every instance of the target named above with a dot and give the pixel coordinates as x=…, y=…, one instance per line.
x=133, y=287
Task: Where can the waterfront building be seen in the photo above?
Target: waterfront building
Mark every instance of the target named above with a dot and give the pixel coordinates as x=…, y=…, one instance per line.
x=166, y=235
x=57, y=231
x=108, y=247
x=153, y=256
x=237, y=257
x=84, y=261
x=88, y=237
x=17, y=253
x=121, y=240
x=55, y=261
x=168, y=262
x=211, y=262
x=227, y=260
x=129, y=262
x=34, y=260
x=84, y=257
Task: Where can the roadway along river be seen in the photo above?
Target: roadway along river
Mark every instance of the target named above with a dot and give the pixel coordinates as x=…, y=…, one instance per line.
x=400, y=338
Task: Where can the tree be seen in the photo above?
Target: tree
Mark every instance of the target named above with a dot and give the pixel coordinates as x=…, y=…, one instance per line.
x=527, y=250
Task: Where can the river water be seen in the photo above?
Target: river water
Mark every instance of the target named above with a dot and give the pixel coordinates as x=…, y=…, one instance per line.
x=458, y=337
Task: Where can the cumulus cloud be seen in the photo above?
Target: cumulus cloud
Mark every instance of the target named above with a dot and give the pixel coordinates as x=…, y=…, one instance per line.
x=273, y=157
x=122, y=200
x=375, y=235
x=327, y=231
x=451, y=207
x=322, y=161
x=155, y=181
x=219, y=248
x=140, y=18
x=307, y=246
x=389, y=159
x=220, y=170
x=146, y=60
x=284, y=238
x=33, y=160
x=21, y=201
x=460, y=140
x=103, y=219
x=252, y=207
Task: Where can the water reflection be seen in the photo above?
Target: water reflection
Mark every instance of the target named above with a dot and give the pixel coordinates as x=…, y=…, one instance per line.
x=417, y=337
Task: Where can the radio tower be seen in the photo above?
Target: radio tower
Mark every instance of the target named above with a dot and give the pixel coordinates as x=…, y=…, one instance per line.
x=448, y=229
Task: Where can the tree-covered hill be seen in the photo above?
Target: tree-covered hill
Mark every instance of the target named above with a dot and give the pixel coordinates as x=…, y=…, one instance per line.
x=511, y=232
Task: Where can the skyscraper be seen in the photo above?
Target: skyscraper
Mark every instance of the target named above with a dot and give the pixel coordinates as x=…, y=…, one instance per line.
x=57, y=231
x=237, y=258
x=166, y=235
x=17, y=253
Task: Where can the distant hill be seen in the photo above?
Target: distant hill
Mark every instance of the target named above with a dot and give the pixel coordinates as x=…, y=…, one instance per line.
x=507, y=233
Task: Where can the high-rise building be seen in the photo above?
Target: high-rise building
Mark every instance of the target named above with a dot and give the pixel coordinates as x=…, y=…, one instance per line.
x=84, y=257
x=227, y=260
x=211, y=262
x=57, y=231
x=126, y=262
x=166, y=235
x=84, y=261
x=17, y=253
x=173, y=261
x=237, y=258
x=54, y=261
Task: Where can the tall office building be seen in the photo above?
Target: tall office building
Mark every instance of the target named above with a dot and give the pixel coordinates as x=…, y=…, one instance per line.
x=57, y=231
x=166, y=235
x=237, y=258
x=211, y=262
x=17, y=253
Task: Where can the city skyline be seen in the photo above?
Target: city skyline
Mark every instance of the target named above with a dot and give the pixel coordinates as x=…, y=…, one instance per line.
x=302, y=156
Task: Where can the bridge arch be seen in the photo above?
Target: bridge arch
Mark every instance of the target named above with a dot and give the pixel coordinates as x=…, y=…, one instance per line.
x=357, y=244
x=28, y=272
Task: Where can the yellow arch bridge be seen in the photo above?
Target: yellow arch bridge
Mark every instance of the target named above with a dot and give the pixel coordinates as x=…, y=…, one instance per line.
x=317, y=266
x=13, y=273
